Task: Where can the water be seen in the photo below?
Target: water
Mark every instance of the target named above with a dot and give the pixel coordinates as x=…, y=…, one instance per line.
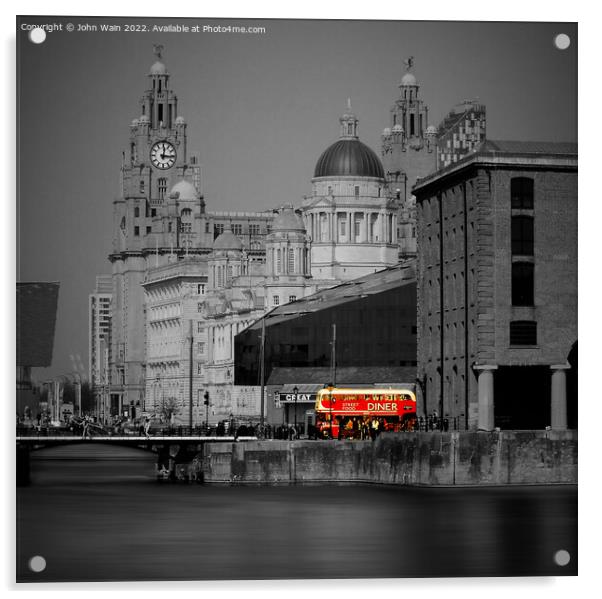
x=97, y=514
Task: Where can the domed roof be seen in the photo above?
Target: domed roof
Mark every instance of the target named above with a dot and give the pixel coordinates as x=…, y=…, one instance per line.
x=387, y=131
x=431, y=130
x=143, y=119
x=408, y=79
x=158, y=69
x=349, y=157
x=227, y=241
x=288, y=220
x=397, y=127
x=180, y=121
x=135, y=123
x=185, y=189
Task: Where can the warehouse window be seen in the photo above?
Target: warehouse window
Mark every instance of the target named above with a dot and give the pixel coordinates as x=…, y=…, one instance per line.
x=523, y=284
x=522, y=235
x=521, y=193
x=523, y=332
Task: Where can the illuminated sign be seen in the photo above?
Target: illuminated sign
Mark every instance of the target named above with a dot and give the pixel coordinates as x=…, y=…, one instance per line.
x=298, y=398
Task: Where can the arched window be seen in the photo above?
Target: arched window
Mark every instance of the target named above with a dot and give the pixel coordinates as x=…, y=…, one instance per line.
x=161, y=187
x=136, y=211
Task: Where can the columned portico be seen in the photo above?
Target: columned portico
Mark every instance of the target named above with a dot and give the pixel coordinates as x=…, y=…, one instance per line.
x=558, y=411
x=486, y=398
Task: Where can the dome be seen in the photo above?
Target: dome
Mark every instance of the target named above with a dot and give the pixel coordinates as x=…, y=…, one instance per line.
x=143, y=119
x=387, y=131
x=185, y=190
x=408, y=79
x=288, y=220
x=180, y=121
x=351, y=158
x=158, y=69
x=227, y=241
x=397, y=128
x=431, y=130
x=135, y=123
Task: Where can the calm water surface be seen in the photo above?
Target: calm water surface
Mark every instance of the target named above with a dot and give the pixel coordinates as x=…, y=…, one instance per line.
x=97, y=514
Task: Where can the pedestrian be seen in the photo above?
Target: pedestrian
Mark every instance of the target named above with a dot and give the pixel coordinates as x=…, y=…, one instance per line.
x=147, y=425
x=86, y=424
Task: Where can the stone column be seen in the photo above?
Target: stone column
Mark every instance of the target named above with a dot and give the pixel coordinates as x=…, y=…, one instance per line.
x=558, y=411
x=486, y=400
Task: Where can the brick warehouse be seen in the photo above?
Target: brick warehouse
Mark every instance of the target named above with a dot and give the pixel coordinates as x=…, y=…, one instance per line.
x=499, y=229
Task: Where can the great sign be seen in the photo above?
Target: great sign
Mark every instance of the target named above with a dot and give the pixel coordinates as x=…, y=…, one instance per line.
x=290, y=397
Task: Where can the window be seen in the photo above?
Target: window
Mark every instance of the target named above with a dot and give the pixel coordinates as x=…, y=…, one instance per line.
x=136, y=231
x=186, y=227
x=357, y=227
x=160, y=115
x=523, y=332
x=199, y=326
x=162, y=187
x=521, y=193
x=153, y=212
x=141, y=185
x=136, y=212
x=522, y=284
x=200, y=306
x=323, y=226
x=278, y=262
x=254, y=230
x=237, y=229
x=200, y=289
x=200, y=347
x=329, y=190
x=411, y=124
x=148, y=230
x=206, y=227
x=169, y=227
x=276, y=300
x=357, y=190
x=522, y=235
x=292, y=298
x=342, y=226
x=199, y=368
x=218, y=230
x=291, y=260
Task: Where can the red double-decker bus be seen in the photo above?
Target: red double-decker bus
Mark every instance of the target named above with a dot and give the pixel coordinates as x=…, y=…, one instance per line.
x=363, y=413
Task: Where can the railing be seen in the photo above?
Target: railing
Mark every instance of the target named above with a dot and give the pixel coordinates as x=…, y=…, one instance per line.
x=434, y=423
x=423, y=424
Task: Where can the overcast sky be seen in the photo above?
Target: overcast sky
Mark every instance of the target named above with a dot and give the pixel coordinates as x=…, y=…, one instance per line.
x=260, y=110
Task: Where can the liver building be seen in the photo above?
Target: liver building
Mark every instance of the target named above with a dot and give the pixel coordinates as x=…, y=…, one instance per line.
x=186, y=281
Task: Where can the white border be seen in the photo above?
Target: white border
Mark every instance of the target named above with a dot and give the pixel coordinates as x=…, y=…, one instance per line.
x=509, y=10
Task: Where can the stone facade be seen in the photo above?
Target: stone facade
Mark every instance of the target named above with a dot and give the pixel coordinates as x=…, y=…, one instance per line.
x=497, y=286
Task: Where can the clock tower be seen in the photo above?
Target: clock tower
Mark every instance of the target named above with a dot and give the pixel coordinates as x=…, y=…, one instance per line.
x=147, y=226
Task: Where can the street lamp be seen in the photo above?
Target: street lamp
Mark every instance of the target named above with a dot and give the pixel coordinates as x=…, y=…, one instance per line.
x=295, y=391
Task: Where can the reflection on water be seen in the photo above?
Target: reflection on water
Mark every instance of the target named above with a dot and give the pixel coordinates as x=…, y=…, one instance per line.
x=98, y=514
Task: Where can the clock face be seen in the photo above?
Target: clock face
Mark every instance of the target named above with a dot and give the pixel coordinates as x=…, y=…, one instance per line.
x=163, y=155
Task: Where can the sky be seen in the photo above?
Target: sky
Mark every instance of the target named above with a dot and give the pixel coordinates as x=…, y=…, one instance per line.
x=260, y=109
